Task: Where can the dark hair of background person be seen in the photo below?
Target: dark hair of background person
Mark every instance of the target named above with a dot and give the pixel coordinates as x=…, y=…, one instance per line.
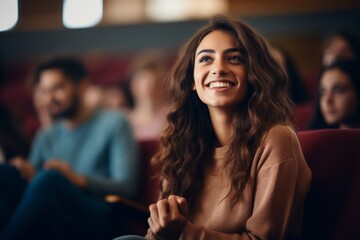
x=148, y=60
x=13, y=140
x=189, y=140
x=297, y=90
x=351, y=39
x=124, y=87
x=352, y=69
x=71, y=67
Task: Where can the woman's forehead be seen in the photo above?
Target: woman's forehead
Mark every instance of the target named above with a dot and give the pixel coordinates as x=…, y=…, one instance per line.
x=218, y=39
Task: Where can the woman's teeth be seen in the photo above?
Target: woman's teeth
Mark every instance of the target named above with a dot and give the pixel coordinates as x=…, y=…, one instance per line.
x=219, y=85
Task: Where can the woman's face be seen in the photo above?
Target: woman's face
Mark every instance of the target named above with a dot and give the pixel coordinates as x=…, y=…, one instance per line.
x=144, y=84
x=219, y=71
x=338, y=100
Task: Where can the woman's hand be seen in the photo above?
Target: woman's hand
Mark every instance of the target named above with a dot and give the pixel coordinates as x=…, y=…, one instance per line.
x=168, y=217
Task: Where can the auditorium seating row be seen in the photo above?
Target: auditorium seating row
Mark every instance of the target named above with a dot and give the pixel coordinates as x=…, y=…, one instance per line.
x=103, y=70
x=332, y=209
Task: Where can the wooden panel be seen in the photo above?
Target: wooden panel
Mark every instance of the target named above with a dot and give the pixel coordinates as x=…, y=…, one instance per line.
x=39, y=15
x=247, y=8
x=45, y=15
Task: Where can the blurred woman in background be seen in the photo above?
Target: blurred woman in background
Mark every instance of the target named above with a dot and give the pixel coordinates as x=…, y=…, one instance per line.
x=150, y=95
x=338, y=97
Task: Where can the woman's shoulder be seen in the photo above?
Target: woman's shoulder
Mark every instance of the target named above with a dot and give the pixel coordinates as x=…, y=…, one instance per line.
x=279, y=143
x=279, y=131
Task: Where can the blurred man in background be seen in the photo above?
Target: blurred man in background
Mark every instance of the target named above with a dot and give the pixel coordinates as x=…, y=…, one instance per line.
x=85, y=154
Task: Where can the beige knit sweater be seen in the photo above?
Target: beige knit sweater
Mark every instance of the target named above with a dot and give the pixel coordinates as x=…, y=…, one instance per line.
x=271, y=206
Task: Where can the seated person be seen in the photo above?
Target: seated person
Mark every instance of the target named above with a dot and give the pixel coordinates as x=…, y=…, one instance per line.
x=85, y=154
x=150, y=95
x=340, y=46
x=13, y=140
x=338, y=102
x=231, y=163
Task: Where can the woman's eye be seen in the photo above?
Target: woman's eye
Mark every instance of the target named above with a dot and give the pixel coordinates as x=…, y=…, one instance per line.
x=205, y=59
x=237, y=59
x=338, y=90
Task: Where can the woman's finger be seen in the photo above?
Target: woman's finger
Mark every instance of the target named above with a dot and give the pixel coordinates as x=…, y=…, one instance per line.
x=163, y=210
x=183, y=208
x=173, y=206
x=154, y=214
x=151, y=224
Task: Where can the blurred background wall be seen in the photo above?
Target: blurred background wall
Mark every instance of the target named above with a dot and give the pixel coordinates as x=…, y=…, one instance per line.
x=127, y=26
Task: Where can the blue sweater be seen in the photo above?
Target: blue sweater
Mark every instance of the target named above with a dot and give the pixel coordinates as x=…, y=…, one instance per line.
x=102, y=149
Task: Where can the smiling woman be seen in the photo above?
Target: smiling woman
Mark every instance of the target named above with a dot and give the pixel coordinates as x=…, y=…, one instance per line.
x=231, y=163
x=219, y=72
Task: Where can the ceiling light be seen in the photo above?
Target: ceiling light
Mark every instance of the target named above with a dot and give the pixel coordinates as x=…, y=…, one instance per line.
x=9, y=14
x=82, y=13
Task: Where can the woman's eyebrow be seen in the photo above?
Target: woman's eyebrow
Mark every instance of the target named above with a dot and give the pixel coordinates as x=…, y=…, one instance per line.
x=206, y=51
x=229, y=50
x=232, y=50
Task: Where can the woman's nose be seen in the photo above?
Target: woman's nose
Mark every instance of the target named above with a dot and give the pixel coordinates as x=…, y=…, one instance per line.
x=328, y=97
x=219, y=68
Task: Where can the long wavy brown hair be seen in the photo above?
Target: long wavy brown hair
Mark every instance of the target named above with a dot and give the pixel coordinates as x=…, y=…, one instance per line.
x=188, y=142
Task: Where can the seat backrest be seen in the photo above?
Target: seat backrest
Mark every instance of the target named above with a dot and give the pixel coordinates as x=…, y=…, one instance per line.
x=302, y=115
x=332, y=207
x=149, y=188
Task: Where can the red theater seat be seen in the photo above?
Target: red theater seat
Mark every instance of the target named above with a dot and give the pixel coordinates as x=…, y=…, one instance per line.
x=302, y=115
x=332, y=209
x=131, y=216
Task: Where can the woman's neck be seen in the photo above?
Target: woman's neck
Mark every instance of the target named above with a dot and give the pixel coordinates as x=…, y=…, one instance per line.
x=222, y=123
x=148, y=106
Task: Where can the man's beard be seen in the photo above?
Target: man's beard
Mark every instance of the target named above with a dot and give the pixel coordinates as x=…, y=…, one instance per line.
x=72, y=110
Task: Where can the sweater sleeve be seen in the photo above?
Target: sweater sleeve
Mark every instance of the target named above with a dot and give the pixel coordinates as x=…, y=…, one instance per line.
x=274, y=198
x=122, y=164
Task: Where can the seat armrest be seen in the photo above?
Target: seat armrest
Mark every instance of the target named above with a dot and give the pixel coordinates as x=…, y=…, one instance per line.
x=131, y=203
